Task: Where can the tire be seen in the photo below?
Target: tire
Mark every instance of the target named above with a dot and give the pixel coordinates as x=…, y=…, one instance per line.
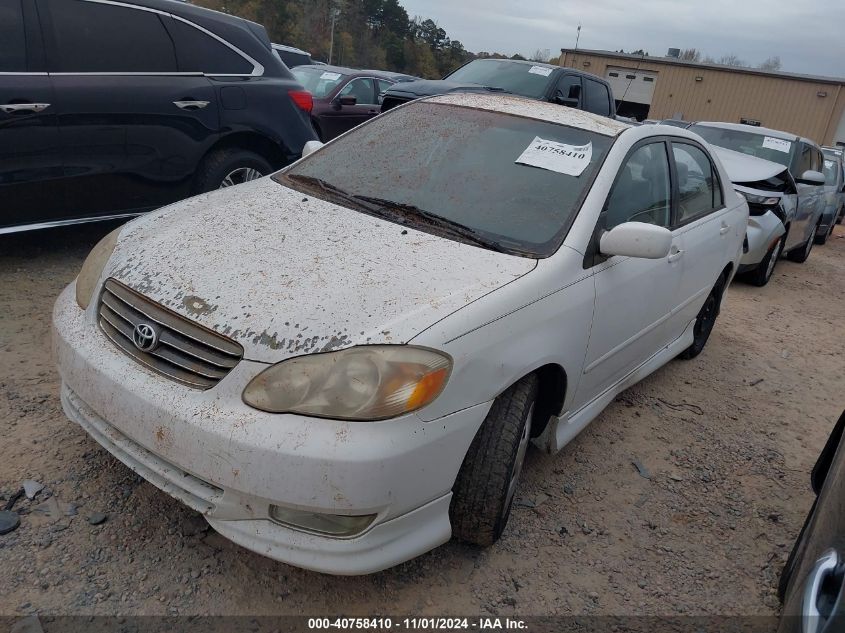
x=802, y=253
x=235, y=165
x=705, y=321
x=483, y=493
x=822, y=239
x=761, y=275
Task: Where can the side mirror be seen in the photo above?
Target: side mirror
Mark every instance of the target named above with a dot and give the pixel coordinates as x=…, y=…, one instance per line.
x=310, y=147
x=636, y=239
x=570, y=101
x=811, y=177
x=347, y=100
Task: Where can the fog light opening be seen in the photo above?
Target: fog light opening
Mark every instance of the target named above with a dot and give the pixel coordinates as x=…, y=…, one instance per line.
x=334, y=525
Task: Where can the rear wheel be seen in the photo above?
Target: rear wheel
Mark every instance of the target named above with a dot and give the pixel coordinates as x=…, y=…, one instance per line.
x=229, y=167
x=486, y=484
x=705, y=321
x=761, y=275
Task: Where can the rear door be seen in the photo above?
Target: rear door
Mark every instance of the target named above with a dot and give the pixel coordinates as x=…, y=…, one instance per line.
x=31, y=186
x=132, y=125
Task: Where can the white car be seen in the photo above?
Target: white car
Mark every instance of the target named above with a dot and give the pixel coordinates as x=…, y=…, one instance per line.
x=341, y=366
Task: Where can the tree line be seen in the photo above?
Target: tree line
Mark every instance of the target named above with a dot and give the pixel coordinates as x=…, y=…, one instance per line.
x=376, y=34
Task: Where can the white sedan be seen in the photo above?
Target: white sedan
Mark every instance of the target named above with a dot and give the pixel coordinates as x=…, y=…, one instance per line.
x=342, y=365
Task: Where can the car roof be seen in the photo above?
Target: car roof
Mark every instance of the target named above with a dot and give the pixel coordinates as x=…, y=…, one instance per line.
x=533, y=109
x=519, y=61
x=753, y=129
x=348, y=71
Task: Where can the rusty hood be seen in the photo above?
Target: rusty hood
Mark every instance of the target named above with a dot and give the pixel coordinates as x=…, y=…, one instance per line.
x=285, y=274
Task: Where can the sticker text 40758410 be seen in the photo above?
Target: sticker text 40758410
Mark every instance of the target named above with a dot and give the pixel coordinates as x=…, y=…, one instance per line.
x=571, y=160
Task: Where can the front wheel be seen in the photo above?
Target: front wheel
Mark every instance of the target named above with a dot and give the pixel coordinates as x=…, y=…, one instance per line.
x=484, y=490
x=801, y=254
x=705, y=321
x=229, y=167
x=761, y=275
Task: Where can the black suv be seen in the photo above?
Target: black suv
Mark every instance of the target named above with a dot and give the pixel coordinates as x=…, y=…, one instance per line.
x=545, y=82
x=110, y=109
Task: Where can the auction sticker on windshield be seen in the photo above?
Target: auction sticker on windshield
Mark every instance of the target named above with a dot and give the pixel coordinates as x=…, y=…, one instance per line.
x=778, y=144
x=539, y=70
x=571, y=160
x=330, y=76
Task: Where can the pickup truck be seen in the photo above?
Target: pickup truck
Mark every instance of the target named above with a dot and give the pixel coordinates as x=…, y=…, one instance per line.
x=544, y=82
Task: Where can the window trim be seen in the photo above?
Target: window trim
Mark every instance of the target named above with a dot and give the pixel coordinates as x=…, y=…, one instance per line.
x=257, y=67
x=679, y=140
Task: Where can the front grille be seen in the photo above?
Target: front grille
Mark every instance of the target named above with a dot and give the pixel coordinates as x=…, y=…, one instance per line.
x=185, y=351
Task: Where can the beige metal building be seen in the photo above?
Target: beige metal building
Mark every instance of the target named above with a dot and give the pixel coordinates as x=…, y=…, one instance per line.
x=666, y=87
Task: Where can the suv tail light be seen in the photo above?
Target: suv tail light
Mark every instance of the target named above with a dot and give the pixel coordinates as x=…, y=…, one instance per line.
x=303, y=99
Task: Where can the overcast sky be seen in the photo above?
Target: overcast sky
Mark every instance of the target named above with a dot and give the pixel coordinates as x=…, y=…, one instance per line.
x=808, y=35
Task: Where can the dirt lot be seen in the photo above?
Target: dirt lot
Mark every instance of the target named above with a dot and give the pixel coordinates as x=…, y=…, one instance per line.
x=727, y=441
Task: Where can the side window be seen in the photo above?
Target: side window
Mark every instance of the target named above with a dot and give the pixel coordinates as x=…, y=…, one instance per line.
x=569, y=86
x=198, y=52
x=596, y=99
x=698, y=187
x=12, y=38
x=361, y=89
x=803, y=160
x=92, y=37
x=641, y=192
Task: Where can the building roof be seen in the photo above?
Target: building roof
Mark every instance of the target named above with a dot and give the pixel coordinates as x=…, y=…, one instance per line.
x=672, y=61
x=533, y=109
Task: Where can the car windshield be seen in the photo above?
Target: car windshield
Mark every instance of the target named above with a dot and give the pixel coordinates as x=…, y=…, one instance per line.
x=770, y=148
x=831, y=171
x=521, y=79
x=317, y=81
x=460, y=179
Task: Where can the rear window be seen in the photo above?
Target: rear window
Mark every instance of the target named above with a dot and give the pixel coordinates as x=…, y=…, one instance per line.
x=831, y=171
x=521, y=79
x=12, y=40
x=464, y=169
x=199, y=52
x=319, y=82
x=760, y=145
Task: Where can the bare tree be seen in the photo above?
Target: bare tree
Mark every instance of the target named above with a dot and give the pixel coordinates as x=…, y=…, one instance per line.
x=772, y=63
x=540, y=55
x=731, y=60
x=690, y=55
x=708, y=60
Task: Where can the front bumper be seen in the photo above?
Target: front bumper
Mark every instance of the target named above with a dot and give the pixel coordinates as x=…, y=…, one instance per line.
x=762, y=232
x=231, y=462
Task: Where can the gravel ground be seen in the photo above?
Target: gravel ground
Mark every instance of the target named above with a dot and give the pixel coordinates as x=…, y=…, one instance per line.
x=683, y=497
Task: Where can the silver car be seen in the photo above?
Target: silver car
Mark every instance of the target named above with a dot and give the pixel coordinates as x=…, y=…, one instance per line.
x=802, y=197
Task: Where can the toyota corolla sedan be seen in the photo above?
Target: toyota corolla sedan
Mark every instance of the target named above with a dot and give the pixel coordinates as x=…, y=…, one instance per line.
x=342, y=365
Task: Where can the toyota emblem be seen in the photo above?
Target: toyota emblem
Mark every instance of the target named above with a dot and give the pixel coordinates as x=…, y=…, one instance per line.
x=145, y=337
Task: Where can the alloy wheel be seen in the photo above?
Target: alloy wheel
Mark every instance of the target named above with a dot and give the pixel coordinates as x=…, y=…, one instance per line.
x=240, y=175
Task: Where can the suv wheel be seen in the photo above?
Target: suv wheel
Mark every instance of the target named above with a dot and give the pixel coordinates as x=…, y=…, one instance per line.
x=800, y=254
x=228, y=167
x=705, y=321
x=761, y=275
x=486, y=484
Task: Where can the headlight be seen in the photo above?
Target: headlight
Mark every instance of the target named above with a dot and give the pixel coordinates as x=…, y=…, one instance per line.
x=88, y=277
x=755, y=199
x=360, y=383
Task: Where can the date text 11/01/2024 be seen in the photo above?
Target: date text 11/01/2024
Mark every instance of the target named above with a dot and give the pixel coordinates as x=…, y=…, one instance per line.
x=418, y=624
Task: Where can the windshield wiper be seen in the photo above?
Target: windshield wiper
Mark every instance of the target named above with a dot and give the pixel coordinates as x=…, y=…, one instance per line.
x=413, y=214
x=333, y=191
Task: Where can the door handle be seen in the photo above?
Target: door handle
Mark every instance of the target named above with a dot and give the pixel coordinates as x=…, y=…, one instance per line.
x=725, y=228
x=191, y=105
x=674, y=256
x=825, y=567
x=14, y=108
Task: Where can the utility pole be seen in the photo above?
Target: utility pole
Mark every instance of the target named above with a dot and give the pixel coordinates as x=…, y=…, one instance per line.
x=334, y=9
x=578, y=37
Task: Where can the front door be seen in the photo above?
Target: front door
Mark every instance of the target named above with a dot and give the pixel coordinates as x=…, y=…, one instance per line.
x=634, y=297
x=342, y=118
x=31, y=185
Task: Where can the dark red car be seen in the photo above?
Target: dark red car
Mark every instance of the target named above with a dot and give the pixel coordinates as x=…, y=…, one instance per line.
x=344, y=97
